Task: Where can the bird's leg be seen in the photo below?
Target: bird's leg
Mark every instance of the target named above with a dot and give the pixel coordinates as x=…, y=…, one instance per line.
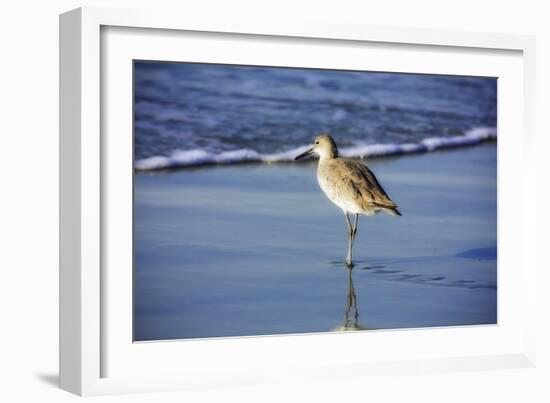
x=350, y=240
x=355, y=227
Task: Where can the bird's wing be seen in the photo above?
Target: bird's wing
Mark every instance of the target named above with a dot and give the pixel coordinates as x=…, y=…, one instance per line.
x=363, y=185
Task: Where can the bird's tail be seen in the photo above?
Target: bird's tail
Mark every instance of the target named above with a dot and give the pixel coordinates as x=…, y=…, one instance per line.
x=392, y=211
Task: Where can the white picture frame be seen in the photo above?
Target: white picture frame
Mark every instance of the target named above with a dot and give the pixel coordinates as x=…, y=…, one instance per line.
x=85, y=173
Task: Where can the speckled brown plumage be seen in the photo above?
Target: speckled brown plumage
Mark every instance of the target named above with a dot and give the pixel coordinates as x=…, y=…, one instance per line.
x=353, y=187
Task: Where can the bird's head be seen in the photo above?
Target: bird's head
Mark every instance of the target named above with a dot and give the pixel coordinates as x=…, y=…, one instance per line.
x=323, y=146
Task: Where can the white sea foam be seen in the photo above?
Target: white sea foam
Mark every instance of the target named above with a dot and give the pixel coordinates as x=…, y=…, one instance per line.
x=197, y=157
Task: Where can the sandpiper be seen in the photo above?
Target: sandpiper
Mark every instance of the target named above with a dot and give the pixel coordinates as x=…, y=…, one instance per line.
x=350, y=185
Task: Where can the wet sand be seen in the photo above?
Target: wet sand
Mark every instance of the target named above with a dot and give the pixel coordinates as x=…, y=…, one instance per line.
x=258, y=249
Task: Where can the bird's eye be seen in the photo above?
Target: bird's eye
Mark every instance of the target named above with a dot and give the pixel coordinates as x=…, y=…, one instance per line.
x=316, y=142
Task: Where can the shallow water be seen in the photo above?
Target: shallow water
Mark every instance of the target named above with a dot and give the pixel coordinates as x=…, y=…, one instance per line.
x=258, y=249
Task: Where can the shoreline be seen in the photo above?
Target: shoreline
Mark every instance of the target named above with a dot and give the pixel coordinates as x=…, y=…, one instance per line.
x=198, y=158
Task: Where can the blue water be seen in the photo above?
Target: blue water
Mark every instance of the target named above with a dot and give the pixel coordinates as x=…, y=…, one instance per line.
x=258, y=249
x=188, y=113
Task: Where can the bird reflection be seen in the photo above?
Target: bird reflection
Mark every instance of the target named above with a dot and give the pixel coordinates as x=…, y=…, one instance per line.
x=350, y=321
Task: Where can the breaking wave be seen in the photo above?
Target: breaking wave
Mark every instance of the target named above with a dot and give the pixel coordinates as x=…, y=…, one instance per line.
x=199, y=157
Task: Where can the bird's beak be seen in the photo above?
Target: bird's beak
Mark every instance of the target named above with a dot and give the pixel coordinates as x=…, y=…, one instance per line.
x=304, y=154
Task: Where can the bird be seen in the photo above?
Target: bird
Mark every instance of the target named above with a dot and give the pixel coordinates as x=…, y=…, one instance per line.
x=349, y=184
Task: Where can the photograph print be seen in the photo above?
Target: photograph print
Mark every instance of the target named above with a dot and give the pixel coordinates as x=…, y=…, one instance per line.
x=274, y=200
